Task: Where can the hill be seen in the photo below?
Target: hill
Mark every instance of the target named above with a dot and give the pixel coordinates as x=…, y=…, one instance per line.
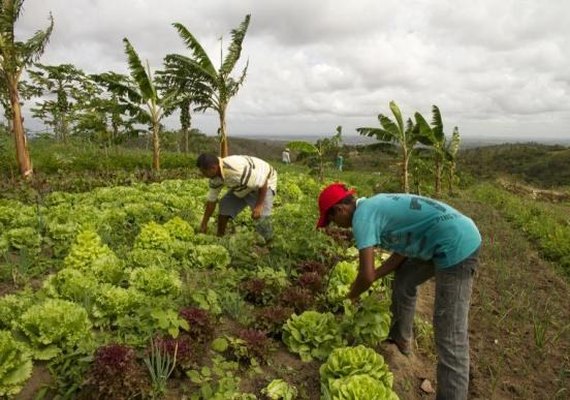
x=546, y=166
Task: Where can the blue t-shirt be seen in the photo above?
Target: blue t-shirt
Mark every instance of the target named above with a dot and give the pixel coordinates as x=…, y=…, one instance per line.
x=415, y=227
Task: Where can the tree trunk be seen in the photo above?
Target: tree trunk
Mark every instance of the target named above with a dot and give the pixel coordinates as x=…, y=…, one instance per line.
x=155, y=147
x=185, y=122
x=22, y=154
x=451, y=176
x=437, y=176
x=223, y=137
x=405, y=162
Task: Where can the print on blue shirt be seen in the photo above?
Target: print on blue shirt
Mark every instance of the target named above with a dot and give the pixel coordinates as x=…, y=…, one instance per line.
x=416, y=227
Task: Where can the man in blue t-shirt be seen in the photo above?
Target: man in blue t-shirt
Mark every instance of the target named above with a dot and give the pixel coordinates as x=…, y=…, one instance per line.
x=427, y=239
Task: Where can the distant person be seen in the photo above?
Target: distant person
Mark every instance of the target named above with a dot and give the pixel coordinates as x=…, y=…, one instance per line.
x=285, y=156
x=339, y=162
x=250, y=181
x=427, y=239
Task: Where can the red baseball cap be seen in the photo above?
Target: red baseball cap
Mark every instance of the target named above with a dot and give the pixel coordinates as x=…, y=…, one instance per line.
x=331, y=195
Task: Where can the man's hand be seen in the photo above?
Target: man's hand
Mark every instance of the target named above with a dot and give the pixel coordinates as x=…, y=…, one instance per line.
x=256, y=212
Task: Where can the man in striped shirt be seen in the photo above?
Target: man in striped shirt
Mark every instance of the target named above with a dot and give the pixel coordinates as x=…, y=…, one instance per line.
x=250, y=181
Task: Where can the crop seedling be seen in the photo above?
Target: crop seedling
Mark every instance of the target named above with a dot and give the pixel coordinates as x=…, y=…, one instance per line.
x=160, y=366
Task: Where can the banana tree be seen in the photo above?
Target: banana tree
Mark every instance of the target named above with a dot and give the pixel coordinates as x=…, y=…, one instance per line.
x=140, y=94
x=319, y=150
x=405, y=136
x=15, y=56
x=186, y=95
x=451, y=150
x=214, y=86
x=434, y=137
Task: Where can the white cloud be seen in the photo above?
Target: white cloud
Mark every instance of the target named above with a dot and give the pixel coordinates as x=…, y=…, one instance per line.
x=493, y=67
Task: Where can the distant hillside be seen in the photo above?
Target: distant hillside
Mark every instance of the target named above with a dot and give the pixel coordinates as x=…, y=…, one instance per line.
x=542, y=165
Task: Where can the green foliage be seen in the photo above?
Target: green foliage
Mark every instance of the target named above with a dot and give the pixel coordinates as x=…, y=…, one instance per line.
x=341, y=278
x=86, y=249
x=210, y=256
x=207, y=299
x=108, y=269
x=169, y=321
x=71, y=284
x=15, y=365
x=220, y=382
x=345, y=362
x=538, y=221
x=369, y=322
x=23, y=238
x=68, y=371
x=359, y=387
x=405, y=136
x=312, y=335
x=179, y=229
x=546, y=166
x=55, y=325
x=12, y=306
x=142, y=258
x=317, y=154
x=154, y=236
x=155, y=281
x=113, y=301
x=278, y=389
x=211, y=88
x=160, y=366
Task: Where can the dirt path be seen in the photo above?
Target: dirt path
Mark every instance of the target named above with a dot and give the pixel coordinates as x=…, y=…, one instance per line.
x=519, y=322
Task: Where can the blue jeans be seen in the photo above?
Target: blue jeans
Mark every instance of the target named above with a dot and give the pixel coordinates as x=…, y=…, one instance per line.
x=453, y=288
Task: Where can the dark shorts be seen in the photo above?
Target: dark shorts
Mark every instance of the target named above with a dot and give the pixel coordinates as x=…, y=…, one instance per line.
x=231, y=205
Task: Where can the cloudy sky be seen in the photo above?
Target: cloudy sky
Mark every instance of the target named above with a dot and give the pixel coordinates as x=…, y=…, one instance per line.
x=494, y=68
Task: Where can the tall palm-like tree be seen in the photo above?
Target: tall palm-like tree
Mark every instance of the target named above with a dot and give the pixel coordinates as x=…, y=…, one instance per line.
x=215, y=87
x=15, y=56
x=451, y=150
x=140, y=93
x=405, y=136
x=434, y=137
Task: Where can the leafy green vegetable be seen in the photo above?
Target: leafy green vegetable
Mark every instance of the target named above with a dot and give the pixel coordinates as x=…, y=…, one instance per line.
x=312, y=335
x=278, y=389
x=359, y=387
x=342, y=276
x=71, y=284
x=369, y=322
x=15, y=365
x=54, y=325
x=210, y=255
x=87, y=248
x=348, y=361
x=156, y=281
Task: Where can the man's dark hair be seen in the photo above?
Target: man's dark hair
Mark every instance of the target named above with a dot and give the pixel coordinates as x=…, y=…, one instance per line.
x=206, y=160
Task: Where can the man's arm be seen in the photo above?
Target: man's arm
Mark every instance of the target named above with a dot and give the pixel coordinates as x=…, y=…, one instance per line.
x=367, y=274
x=208, y=211
x=261, y=193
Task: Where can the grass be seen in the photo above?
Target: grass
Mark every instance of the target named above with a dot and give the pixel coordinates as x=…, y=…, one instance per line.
x=519, y=302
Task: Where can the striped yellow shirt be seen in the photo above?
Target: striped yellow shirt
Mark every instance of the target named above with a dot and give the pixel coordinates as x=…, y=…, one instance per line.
x=242, y=175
